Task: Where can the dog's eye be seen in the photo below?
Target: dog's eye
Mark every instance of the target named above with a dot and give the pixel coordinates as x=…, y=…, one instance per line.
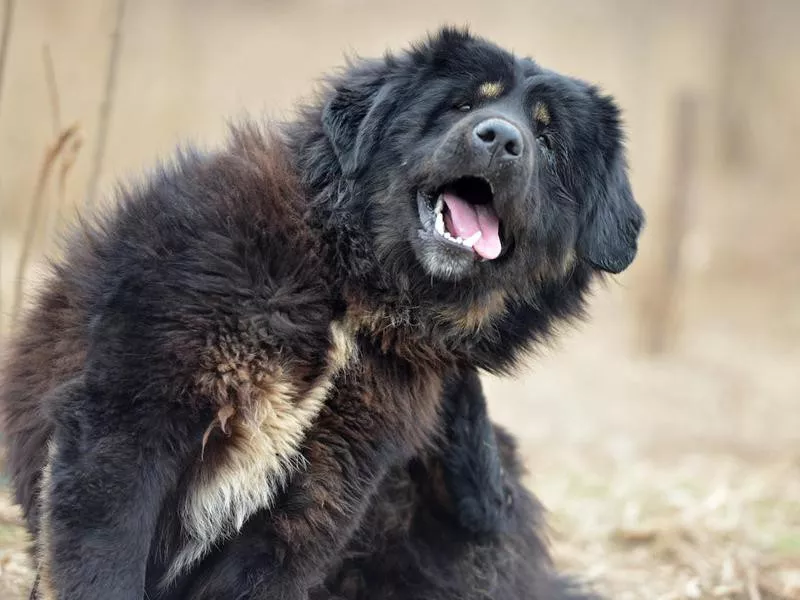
x=463, y=107
x=546, y=140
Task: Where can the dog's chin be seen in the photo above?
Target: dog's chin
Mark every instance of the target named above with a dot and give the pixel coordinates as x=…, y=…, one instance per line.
x=442, y=256
x=441, y=260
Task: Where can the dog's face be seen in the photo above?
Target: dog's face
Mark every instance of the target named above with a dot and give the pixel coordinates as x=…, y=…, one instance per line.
x=478, y=168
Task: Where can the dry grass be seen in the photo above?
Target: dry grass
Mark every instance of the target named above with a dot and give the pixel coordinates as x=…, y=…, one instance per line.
x=701, y=527
x=16, y=575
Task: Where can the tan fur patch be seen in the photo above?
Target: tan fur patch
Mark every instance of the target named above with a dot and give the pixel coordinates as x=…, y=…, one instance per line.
x=479, y=314
x=247, y=468
x=343, y=346
x=221, y=420
x=569, y=262
x=491, y=89
x=541, y=113
x=45, y=589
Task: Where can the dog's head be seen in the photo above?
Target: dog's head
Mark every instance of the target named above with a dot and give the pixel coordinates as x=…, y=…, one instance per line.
x=478, y=184
x=483, y=165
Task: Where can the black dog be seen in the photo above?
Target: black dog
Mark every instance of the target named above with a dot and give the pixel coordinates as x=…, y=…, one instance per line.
x=254, y=337
x=458, y=525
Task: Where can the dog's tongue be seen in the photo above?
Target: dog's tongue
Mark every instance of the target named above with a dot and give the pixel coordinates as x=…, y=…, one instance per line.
x=467, y=218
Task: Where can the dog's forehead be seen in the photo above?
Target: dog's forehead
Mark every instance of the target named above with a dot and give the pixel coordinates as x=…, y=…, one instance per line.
x=489, y=73
x=476, y=61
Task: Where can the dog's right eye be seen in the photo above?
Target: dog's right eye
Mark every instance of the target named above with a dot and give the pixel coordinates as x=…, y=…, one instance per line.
x=546, y=140
x=463, y=107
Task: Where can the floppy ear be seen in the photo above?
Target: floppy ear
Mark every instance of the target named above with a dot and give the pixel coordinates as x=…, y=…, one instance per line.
x=609, y=236
x=355, y=116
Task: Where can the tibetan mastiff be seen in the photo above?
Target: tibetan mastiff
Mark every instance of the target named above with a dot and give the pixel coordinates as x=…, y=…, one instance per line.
x=455, y=524
x=244, y=346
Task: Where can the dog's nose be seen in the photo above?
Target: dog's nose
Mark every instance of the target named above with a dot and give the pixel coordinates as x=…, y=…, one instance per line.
x=499, y=137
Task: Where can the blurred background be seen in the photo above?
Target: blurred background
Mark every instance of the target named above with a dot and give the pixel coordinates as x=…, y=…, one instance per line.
x=664, y=434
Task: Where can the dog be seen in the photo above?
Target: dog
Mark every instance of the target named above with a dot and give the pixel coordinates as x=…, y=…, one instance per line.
x=241, y=349
x=456, y=524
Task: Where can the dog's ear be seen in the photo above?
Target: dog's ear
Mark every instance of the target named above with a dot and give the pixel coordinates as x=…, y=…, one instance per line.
x=356, y=114
x=610, y=230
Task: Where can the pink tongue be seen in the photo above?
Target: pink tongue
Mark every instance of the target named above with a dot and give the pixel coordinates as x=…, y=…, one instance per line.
x=467, y=219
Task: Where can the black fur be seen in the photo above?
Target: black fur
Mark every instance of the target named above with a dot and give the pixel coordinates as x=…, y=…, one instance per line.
x=472, y=469
x=458, y=525
x=454, y=524
x=275, y=321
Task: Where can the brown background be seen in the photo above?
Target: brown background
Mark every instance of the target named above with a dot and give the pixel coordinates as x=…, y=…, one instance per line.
x=669, y=475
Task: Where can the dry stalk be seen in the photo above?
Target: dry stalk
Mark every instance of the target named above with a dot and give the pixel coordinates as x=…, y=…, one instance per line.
x=106, y=105
x=34, y=214
x=8, y=14
x=55, y=114
x=52, y=88
x=67, y=159
x=661, y=323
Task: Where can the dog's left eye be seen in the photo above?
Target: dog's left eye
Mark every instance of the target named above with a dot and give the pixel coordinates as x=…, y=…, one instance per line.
x=546, y=140
x=463, y=107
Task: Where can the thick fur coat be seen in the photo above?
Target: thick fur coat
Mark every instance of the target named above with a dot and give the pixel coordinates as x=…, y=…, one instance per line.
x=456, y=524
x=238, y=353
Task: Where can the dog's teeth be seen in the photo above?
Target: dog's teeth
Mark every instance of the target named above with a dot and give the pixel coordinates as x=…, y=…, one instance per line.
x=448, y=236
x=439, y=205
x=459, y=240
x=473, y=239
x=440, y=224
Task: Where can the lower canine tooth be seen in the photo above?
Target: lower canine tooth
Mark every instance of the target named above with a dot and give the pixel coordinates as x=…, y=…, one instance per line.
x=472, y=240
x=440, y=224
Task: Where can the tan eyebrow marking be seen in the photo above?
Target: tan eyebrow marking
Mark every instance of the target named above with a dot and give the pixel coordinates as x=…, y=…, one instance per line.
x=541, y=113
x=491, y=89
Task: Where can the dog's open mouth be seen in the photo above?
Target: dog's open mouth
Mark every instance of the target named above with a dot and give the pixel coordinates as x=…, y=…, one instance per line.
x=463, y=216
